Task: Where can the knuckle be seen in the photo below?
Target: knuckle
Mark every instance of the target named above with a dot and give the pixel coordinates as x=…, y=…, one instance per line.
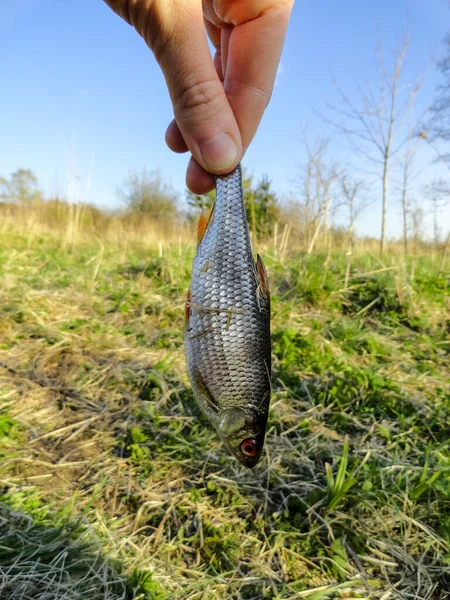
x=198, y=102
x=260, y=96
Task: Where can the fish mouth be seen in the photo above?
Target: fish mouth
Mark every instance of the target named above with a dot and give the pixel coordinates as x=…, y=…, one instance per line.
x=248, y=461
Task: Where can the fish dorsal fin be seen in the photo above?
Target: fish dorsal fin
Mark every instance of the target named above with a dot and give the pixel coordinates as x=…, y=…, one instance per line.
x=187, y=308
x=263, y=281
x=203, y=223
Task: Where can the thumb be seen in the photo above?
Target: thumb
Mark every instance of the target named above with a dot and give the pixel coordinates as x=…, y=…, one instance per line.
x=201, y=109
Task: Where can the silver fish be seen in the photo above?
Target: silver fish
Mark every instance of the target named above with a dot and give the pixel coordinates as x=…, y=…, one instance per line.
x=227, y=332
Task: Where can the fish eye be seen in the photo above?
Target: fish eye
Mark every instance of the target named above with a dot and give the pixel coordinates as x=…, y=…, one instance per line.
x=249, y=447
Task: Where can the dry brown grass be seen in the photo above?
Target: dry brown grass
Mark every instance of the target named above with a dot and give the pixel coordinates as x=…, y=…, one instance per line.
x=93, y=375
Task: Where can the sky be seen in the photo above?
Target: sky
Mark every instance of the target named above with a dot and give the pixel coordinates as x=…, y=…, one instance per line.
x=83, y=101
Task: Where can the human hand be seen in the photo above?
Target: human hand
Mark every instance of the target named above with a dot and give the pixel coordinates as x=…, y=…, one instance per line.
x=218, y=104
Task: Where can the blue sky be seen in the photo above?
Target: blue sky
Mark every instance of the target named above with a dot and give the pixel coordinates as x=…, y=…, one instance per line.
x=82, y=95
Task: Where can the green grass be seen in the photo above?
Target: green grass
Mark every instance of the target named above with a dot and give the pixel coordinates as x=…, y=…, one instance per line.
x=113, y=485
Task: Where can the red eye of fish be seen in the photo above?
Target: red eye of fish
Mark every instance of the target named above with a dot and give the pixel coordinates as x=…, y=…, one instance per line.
x=248, y=447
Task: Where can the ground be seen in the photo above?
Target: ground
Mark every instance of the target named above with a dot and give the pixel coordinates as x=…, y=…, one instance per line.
x=115, y=486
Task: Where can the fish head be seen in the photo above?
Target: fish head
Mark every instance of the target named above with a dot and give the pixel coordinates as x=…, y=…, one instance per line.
x=243, y=433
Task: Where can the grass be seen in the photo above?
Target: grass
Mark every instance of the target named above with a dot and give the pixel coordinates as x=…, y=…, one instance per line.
x=113, y=485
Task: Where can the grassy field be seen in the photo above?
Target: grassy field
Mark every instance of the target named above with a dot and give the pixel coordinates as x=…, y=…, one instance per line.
x=114, y=486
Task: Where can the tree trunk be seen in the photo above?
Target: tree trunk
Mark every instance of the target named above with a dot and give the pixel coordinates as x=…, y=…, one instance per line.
x=405, y=222
x=383, y=207
x=350, y=238
x=435, y=226
x=444, y=256
x=275, y=238
x=253, y=216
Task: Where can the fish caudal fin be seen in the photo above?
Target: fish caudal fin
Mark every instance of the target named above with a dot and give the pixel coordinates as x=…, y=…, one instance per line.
x=263, y=280
x=203, y=223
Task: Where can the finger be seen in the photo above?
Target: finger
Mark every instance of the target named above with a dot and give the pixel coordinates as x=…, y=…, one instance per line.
x=174, y=139
x=253, y=55
x=202, y=111
x=224, y=46
x=214, y=34
x=198, y=180
x=218, y=64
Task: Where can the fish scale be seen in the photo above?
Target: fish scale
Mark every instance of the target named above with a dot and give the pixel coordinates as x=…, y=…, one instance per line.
x=228, y=325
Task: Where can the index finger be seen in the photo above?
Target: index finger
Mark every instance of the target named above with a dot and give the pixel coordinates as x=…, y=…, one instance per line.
x=253, y=54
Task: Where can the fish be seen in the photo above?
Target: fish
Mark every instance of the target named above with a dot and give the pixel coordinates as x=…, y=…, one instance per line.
x=227, y=325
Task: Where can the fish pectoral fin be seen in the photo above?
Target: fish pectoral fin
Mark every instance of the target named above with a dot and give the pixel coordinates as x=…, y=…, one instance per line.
x=205, y=392
x=263, y=281
x=203, y=223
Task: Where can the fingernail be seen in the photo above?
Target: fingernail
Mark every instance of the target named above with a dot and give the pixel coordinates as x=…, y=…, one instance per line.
x=220, y=153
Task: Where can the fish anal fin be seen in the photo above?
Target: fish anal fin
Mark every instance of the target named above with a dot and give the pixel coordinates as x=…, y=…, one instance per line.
x=203, y=223
x=263, y=280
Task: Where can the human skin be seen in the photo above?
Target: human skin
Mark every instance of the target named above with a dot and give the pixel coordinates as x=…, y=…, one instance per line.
x=218, y=102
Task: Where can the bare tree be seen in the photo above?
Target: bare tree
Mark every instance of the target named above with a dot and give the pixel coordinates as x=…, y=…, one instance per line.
x=317, y=186
x=354, y=195
x=407, y=177
x=404, y=201
x=145, y=192
x=374, y=124
x=355, y=199
x=437, y=132
x=22, y=187
x=438, y=192
x=417, y=218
